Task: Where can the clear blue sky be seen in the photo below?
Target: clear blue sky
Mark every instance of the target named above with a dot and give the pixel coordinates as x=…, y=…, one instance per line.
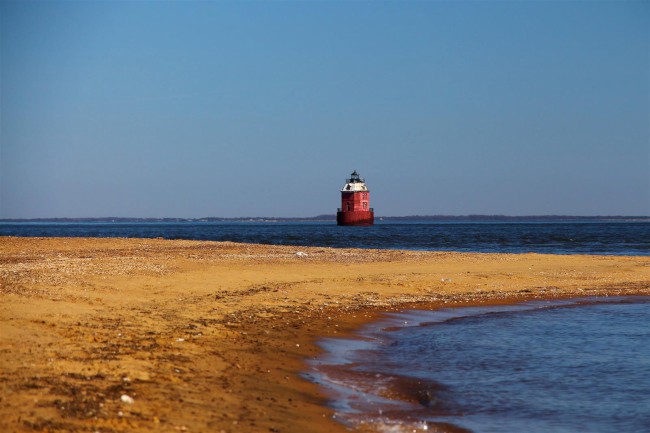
x=194, y=109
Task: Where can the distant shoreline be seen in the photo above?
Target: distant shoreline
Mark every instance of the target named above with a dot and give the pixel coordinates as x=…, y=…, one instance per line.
x=332, y=218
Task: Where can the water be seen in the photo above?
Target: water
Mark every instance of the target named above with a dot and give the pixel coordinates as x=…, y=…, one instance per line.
x=618, y=238
x=560, y=366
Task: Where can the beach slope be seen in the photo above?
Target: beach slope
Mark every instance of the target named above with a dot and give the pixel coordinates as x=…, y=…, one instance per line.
x=135, y=335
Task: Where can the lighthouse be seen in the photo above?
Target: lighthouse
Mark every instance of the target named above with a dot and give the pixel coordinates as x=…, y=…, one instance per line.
x=355, y=207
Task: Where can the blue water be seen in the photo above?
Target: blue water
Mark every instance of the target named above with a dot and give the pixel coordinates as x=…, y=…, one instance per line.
x=617, y=238
x=563, y=366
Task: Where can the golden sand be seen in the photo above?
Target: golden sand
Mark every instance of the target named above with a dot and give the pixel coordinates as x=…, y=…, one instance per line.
x=134, y=335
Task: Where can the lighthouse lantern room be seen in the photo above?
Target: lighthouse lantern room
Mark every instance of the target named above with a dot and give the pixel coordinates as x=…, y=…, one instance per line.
x=355, y=207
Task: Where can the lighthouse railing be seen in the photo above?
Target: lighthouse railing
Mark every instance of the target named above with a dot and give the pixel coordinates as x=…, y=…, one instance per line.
x=372, y=209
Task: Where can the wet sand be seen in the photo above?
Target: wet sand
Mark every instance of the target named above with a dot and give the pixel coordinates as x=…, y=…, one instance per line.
x=134, y=335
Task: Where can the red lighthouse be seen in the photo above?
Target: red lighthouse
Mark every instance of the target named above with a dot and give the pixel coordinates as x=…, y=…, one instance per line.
x=355, y=207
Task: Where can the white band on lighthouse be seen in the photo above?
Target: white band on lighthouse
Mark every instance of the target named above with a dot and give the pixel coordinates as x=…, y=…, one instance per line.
x=356, y=186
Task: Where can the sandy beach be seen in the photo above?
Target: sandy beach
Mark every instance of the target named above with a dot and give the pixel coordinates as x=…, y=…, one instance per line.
x=138, y=335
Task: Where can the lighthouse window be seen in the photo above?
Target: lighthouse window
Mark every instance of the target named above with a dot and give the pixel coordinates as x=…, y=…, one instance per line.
x=365, y=205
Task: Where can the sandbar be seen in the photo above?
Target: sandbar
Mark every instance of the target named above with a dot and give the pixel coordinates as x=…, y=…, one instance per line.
x=139, y=335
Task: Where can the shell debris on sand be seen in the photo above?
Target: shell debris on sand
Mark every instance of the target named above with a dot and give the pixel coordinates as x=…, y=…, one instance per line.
x=127, y=399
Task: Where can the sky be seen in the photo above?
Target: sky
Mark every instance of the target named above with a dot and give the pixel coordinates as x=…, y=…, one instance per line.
x=231, y=109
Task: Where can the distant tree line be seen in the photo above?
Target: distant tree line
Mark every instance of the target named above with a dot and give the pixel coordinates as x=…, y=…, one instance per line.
x=332, y=217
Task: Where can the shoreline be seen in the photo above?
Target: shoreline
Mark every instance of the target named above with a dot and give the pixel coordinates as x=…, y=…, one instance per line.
x=214, y=336
x=366, y=393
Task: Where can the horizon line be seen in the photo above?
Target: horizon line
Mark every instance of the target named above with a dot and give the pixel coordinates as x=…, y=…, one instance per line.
x=327, y=217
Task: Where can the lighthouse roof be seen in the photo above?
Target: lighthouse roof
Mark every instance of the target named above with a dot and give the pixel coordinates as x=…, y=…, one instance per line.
x=354, y=183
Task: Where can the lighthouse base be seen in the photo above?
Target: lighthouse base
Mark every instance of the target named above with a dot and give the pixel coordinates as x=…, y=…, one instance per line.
x=355, y=218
